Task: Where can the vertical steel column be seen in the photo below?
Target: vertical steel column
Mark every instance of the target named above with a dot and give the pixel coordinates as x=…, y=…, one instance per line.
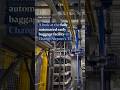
x=64, y=79
x=109, y=32
x=102, y=78
x=54, y=48
x=50, y=61
x=78, y=61
x=105, y=4
x=78, y=71
x=50, y=70
x=101, y=31
x=101, y=42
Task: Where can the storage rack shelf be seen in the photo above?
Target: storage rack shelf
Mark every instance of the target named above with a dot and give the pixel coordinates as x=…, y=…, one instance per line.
x=62, y=72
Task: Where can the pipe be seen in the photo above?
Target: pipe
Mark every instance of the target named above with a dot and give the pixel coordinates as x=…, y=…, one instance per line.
x=78, y=61
x=68, y=17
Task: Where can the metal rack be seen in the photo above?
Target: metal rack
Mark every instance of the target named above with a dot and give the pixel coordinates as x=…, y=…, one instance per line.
x=60, y=68
x=62, y=72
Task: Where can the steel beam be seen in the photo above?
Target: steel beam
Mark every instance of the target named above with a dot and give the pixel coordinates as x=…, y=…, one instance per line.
x=53, y=8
